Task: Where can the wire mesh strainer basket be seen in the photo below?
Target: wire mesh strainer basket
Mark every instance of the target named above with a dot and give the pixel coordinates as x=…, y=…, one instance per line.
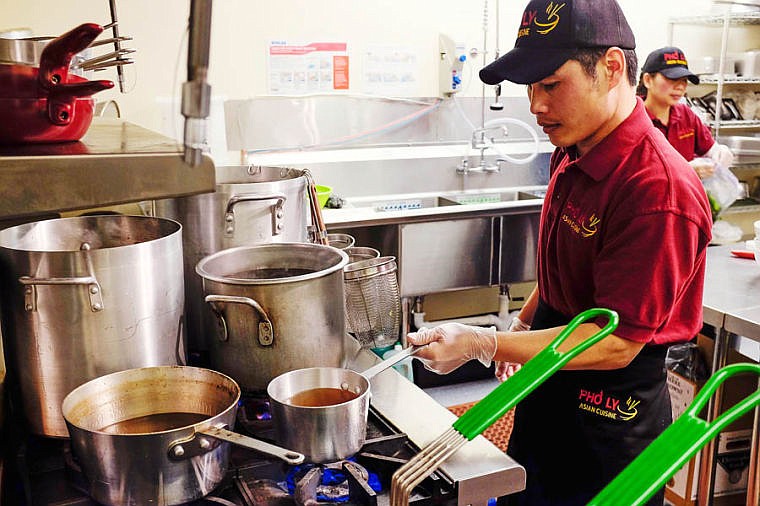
x=373, y=303
x=358, y=253
x=340, y=241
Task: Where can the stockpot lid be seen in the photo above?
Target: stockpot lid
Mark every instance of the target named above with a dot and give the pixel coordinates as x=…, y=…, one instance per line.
x=274, y=263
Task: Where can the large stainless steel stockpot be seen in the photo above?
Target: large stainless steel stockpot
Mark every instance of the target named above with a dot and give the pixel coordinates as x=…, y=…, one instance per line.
x=250, y=205
x=274, y=308
x=156, y=435
x=84, y=297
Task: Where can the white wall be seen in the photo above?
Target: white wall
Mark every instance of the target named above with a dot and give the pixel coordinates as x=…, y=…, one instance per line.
x=242, y=29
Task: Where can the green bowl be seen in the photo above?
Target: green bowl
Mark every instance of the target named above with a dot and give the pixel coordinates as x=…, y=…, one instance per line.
x=323, y=193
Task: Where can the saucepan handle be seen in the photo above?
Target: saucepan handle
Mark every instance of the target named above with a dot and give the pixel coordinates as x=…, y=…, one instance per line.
x=393, y=360
x=204, y=440
x=291, y=457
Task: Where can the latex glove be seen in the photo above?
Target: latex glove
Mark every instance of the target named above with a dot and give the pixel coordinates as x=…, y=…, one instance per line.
x=505, y=370
x=452, y=345
x=721, y=154
x=704, y=167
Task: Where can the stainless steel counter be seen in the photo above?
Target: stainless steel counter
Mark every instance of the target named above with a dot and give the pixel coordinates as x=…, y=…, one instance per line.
x=114, y=163
x=732, y=292
x=731, y=304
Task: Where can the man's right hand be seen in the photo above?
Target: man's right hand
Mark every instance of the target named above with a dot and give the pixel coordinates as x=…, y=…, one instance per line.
x=505, y=370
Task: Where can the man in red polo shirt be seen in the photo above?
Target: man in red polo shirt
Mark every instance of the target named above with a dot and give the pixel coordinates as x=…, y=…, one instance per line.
x=625, y=226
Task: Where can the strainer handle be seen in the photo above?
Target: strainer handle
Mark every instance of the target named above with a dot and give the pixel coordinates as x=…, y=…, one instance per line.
x=664, y=456
x=535, y=371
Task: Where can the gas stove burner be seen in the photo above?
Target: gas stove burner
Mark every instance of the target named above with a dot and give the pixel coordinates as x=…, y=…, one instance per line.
x=333, y=482
x=254, y=414
x=256, y=409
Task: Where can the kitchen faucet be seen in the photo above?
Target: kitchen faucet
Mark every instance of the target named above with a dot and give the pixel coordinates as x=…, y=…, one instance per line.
x=479, y=141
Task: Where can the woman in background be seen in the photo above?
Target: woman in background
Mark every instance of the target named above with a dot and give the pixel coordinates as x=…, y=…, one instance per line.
x=662, y=85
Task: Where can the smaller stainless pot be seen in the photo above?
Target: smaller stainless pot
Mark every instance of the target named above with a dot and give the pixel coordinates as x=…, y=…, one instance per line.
x=324, y=432
x=157, y=435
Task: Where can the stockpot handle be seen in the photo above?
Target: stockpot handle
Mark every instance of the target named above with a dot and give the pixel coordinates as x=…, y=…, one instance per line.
x=266, y=331
x=198, y=445
x=277, y=210
x=90, y=281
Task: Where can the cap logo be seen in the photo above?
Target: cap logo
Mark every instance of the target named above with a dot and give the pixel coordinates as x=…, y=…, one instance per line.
x=544, y=26
x=552, y=18
x=674, y=58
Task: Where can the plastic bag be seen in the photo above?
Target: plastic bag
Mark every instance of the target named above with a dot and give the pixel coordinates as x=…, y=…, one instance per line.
x=723, y=189
x=686, y=360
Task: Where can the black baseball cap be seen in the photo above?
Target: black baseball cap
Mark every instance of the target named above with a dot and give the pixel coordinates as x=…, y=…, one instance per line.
x=670, y=62
x=551, y=31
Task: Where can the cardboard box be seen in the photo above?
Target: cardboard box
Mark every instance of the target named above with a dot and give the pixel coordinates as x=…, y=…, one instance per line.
x=732, y=467
x=732, y=463
x=681, y=489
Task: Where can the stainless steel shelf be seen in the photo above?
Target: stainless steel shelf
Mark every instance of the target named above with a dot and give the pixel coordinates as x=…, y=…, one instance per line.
x=735, y=19
x=728, y=79
x=114, y=163
x=742, y=208
x=735, y=124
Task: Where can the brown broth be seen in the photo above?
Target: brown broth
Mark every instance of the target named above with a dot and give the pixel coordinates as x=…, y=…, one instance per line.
x=154, y=423
x=318, y=397
x=271, y=273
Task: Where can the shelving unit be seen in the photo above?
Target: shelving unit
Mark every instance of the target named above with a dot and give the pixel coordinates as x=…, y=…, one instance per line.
x=739, y=212
x=742, y=213
x=114, y=163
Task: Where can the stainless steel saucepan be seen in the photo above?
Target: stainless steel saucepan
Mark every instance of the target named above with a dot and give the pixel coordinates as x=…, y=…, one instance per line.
x=322, y=411
x=157, y=435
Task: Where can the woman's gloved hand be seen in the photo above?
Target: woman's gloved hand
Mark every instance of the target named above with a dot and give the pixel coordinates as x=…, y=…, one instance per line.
x=453, y=344
x=506, y=369
x=721, y=154
x=703, y=166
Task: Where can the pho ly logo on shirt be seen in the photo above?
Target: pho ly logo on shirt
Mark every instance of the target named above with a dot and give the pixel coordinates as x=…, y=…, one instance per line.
x=580, y=222
x=544, y=22
x=685, y=135
x=608, y=406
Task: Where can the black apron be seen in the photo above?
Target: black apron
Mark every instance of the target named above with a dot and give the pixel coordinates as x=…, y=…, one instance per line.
x=579, y=429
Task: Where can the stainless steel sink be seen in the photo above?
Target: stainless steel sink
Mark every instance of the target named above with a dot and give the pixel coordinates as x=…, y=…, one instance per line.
x=433, y=200
x=403, y=202
x=490, y=197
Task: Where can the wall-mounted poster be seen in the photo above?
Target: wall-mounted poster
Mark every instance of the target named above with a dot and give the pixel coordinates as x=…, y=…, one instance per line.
x=300, y=69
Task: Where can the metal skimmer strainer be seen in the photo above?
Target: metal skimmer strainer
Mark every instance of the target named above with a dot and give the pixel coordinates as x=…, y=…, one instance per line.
x=372, y=301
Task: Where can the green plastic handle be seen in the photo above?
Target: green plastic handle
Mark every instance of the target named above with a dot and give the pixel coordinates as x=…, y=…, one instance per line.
x=659, y=461
x=535, y=371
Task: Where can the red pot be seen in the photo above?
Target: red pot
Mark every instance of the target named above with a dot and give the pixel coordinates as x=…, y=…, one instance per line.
x=46, y=103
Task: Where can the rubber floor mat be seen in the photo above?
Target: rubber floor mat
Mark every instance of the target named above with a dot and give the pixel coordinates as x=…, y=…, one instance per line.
x=499, y=432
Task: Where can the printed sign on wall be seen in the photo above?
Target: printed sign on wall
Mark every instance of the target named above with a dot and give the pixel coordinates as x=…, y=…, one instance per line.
x=390, y=70
x=300, y=69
